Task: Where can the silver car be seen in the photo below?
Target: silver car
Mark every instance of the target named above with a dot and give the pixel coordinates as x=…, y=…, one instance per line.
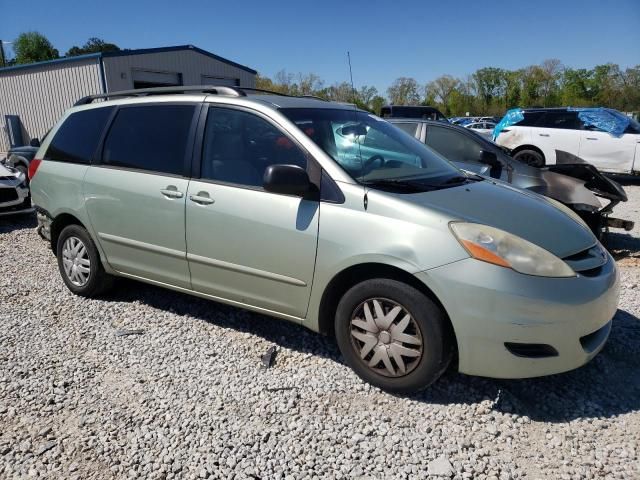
x=14, y=191
x=328, y=216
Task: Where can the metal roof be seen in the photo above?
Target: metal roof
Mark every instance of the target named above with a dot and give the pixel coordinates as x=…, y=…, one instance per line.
x=121, y=53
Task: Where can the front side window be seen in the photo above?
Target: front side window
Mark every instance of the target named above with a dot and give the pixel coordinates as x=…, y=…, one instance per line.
x=454, y=146
x=150, y=137
x=239, y=146
x=77, y=138
x=369, y=148
x=560, y=119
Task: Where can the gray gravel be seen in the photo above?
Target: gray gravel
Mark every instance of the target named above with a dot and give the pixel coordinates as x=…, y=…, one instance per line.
x=186, y=395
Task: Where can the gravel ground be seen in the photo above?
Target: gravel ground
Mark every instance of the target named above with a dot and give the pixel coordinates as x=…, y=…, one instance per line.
x=184, y=396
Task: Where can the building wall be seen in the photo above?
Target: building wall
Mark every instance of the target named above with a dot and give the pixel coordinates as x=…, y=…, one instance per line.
x=192, y=65
x=40, y=95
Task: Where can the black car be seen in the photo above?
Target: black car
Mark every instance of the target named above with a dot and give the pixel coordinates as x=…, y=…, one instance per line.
x=412, y=111
x=574, y=182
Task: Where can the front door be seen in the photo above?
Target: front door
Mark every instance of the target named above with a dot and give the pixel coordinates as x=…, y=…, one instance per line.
x=246, y=245
x=557, y=130
x=135, y=196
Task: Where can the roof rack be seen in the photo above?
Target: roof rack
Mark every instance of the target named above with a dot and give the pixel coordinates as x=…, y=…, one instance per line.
x=314, y=97
x=143, y=92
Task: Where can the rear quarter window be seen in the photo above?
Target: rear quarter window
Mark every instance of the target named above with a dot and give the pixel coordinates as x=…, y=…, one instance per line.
x=77, y=138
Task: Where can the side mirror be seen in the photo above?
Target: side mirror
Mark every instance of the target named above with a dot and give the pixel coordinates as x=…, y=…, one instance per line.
x=35, y=142
x=287, y=180
x=489, y=158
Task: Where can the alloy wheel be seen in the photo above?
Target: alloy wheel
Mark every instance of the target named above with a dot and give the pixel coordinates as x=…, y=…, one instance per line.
x=75, y=260
x=386, y=337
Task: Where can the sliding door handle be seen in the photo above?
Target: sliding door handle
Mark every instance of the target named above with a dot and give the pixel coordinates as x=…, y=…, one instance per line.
x=543, y=134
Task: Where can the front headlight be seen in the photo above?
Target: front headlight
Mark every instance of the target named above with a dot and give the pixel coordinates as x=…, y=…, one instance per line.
x=506, y=250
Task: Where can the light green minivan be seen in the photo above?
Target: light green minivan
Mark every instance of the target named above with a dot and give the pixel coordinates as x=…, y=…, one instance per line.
x=325, y=215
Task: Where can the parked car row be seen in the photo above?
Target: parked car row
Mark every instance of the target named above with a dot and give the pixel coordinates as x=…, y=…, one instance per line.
x=328, y=216
x=574, y=183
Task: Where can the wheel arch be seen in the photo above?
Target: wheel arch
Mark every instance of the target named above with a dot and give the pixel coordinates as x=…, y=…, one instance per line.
x=355, y=274
x=59, y=223
x=19, y=160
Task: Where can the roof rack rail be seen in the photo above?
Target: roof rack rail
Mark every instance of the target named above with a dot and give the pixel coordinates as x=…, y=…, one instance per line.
x=315, y=97
x=262, y=90
x=142, y=92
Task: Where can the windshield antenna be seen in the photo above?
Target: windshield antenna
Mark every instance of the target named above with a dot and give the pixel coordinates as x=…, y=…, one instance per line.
x=355, y=119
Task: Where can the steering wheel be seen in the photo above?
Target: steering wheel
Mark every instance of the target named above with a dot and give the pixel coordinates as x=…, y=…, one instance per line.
x=367, y=163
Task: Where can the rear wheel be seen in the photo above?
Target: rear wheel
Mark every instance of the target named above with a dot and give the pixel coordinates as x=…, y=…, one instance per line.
x=79, y=263
x=532, y=158
x=392, y=335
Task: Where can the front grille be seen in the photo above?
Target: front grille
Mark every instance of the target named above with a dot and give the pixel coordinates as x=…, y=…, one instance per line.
x=8, y=195
x=588, y=262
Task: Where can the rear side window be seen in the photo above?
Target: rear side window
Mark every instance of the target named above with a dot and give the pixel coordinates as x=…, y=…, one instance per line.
x=452, y=145
x=152, y=137
x=410, y=128
x=77, y=138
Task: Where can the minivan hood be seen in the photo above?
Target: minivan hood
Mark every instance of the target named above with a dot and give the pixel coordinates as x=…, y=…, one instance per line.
x=527, y=215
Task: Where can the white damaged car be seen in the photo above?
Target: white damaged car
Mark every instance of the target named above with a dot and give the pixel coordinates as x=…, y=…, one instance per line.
x=14, y=192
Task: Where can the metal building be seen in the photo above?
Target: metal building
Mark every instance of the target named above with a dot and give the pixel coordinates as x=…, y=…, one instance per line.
x=34, y=96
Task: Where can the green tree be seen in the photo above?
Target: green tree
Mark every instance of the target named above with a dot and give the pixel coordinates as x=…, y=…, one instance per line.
x=512, y=89
x=404, y=91
x=377, y=103
x=489, y=85
x=32, y=47
x=93, y=45
x=575, y=89
x=441, y=89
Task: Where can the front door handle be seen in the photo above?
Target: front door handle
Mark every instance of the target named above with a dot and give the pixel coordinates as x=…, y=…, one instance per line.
x=171, y=192
x=202, y=198
x=543, y=134
x=591, y=138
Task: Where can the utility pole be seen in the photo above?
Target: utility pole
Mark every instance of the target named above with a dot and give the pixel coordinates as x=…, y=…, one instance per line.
x=3, y=60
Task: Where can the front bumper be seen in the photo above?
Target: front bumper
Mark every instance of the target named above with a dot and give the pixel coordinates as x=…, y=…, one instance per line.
x=490, y=306
x=19, y=203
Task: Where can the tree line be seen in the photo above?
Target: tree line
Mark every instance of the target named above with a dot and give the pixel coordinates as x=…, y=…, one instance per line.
x=487, y=91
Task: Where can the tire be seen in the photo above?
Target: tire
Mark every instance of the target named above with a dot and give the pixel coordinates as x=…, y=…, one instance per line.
x=532, y=158
x=427, y=325
x=85, y=276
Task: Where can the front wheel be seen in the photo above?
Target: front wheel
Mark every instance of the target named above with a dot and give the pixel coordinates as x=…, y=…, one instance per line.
x=532, y=158
x=79, y=263
x=392, y=335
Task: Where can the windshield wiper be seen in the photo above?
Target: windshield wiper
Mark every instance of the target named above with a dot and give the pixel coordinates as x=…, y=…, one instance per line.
x=417, y=185
x=412, y=185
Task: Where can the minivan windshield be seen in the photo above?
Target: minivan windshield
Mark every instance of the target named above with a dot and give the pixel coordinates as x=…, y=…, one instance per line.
x=372, y=150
